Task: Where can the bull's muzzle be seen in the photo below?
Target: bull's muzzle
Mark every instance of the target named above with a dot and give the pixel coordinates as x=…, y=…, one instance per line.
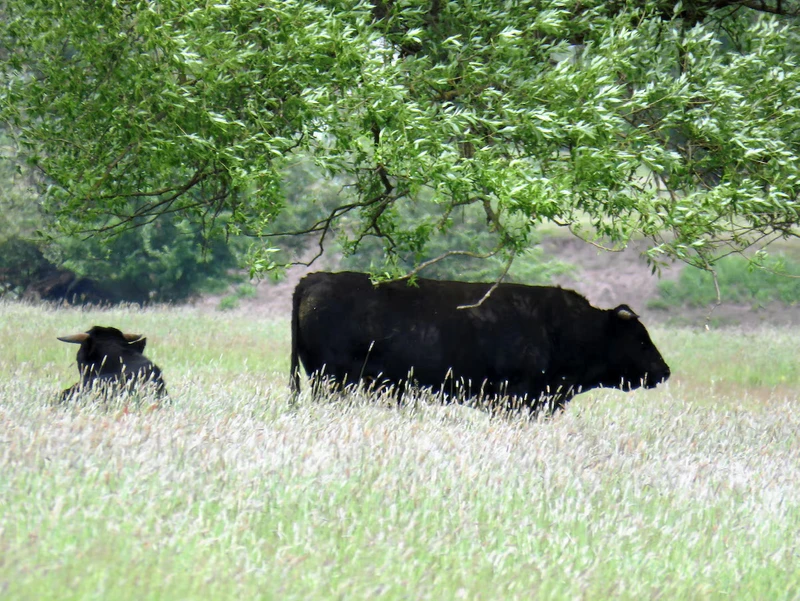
x=658, y=377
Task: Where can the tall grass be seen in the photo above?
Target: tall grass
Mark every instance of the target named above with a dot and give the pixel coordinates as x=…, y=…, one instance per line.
x=232, y=492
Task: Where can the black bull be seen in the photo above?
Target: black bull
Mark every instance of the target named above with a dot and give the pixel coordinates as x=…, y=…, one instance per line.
x=528, y=343
x=107, y=356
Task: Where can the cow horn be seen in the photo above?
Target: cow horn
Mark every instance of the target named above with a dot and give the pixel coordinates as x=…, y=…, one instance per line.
x=75, y=338
x=132, y=337
x=625, y=312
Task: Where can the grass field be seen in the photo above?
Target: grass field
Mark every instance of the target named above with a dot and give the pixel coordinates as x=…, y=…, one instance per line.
x=688, y=491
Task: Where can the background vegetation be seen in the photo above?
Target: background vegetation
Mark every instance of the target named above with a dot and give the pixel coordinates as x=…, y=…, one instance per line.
x=739, y=282
x=174, y=260
x=686, y=491
x=166, y=260
x=311, y=197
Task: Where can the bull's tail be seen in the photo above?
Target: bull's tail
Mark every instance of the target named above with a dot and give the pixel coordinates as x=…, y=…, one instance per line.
x=294, y=373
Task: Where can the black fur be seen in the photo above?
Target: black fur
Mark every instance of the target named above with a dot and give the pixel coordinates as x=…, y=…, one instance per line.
x=107, y=356
x=531, y=343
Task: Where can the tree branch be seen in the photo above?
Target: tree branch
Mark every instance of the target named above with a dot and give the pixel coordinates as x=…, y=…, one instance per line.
x=763, y=6
x=493, y=287
x=595, y=244
x=163, y=207
x=450, y=253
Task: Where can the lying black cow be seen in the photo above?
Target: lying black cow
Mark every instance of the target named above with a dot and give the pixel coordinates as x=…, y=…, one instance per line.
x=107, y=356
x=528, y=343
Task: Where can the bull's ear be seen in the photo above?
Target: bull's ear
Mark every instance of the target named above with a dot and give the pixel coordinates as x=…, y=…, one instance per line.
x=75, y=338
x=138, y=345
x=625, y=312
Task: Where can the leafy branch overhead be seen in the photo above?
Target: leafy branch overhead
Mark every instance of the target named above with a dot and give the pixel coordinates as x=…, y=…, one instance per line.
x=679, y=121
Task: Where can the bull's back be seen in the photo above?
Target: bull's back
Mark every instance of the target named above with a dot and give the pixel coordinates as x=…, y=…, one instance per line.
x=349, y=329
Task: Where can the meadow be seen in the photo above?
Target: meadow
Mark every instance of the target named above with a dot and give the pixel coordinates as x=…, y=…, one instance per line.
x=690, y=490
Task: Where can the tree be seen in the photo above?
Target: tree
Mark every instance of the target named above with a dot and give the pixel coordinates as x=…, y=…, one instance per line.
x=677, y=121
x=166, y=261
x=303, y=181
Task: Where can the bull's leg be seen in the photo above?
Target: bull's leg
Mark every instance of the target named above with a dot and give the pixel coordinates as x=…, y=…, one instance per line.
x=318, y=384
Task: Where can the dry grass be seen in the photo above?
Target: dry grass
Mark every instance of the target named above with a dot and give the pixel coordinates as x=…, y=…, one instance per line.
x=687, y=491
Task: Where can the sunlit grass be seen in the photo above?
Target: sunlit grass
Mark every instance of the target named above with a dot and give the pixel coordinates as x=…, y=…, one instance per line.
x=691, y=490
x=224, y=344
x=737, y=361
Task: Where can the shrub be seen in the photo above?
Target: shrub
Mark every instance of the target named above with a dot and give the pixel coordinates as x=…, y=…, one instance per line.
x=739, y=282
x=228, y=303
x=163, y=261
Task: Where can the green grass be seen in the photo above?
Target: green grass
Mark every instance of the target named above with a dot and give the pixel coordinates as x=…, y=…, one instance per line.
x=691, y=490
x=738, y=282
x=231, y=301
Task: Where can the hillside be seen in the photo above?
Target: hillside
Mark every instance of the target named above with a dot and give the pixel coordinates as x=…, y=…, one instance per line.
x=607, y=279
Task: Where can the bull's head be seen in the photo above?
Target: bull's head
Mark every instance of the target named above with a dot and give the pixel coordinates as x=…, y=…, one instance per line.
x=87, y=339
x=109, y=355
x=635, y=358
x=84, y=336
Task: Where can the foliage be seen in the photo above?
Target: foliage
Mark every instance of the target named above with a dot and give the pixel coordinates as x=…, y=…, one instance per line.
x=227, y=303
x=21, y=262
x=739, y=282
x=21, y=259
x=161, y=261
x=311, y=196
x=231, y=301
x=640, y=118
x=532, y=266
x=158, y=260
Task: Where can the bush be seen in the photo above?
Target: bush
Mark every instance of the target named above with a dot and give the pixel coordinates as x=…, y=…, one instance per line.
x=164, y=261
x=21, y=263
x=231, y=301
x=739, y=282
x=227, y=303
x=170, y=261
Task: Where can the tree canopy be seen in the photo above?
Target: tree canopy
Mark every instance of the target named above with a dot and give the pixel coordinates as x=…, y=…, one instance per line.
x=677, y=121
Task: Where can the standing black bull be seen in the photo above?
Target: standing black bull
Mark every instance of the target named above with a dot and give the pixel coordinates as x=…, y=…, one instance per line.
x=106, y=355
x=528, y=342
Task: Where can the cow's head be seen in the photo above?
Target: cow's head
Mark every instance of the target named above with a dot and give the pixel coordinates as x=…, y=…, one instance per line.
x=108, y=356
x=106, y=350
x=633, y=358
